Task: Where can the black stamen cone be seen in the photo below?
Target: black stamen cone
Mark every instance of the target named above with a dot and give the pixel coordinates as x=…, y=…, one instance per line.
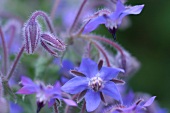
x=40, y=105
x=113, y=32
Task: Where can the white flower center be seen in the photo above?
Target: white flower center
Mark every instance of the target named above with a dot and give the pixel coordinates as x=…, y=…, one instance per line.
x=96, y=83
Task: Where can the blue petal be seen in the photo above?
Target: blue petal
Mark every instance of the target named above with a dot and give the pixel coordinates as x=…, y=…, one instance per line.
x=88, y=67
x=119, y=9
x=27, y=90
x=108, y=73
x=111, y=90
x=132, y=10
x=51, y=102
x=27, y=81
x=70, y=102
x=94, y=23
x=75, y=85
x=68, y=64
x=92, y=100
x=149, y=102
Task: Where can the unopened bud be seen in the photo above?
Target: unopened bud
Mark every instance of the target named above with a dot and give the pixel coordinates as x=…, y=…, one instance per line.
x=52, y=44
x=132, y=64
x=31, y=35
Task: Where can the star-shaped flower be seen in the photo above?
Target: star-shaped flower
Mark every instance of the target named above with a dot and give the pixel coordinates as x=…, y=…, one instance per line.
x=111, y=19
x=92, y=81
x=44, y=94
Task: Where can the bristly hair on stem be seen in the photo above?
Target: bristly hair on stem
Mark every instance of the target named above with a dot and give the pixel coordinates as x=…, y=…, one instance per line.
x=101, y=49
x=10, y=73
x=45, y=17
x=54, y=9
x=4, y=51
x=113, y=44
x=77, y=16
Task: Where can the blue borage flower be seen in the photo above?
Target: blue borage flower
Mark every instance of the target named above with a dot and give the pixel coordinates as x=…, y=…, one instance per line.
x=44, y=94
x=137, y=107
x=92, y=81
x=111, y=19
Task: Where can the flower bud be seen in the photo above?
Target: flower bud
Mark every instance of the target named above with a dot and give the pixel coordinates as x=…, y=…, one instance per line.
x=52, y=44
x=31, y=35
x=132, y=64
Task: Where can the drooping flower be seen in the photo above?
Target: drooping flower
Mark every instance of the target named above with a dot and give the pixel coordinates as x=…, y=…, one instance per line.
x=44, y=94
x=111, y=19
x=138, y=107
x=92, y=81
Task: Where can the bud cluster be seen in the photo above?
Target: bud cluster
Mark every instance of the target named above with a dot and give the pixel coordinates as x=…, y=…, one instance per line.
x=33, y=35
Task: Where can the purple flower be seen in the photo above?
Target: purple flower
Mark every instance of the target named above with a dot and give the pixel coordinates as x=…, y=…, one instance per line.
x=44, y=94
x=93, y=80
x=111, y=19
x=137, y=107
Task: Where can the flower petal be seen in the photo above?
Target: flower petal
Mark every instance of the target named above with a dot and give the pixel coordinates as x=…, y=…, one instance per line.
x=27, y=90
x=92, y=100
x=132, y=10
x=70, y=102
x=119, y=9
x=51, y=102
x=94, y=23
x=107, y=73
x=88, y=67
x=111, y=90
x=27, y=81
x=75, y=85
x=149, y=102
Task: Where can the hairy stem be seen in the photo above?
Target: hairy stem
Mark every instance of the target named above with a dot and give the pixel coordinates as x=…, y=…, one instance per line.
x=113, y=44
x=78, y=14
x=44, y=15
x=15, y=62
x=101, y=49
x=54, y=9
x=5, y=57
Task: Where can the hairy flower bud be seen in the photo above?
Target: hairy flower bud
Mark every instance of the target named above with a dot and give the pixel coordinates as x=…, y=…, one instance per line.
x=132, y=64
x=31, y=35
x=52, y=44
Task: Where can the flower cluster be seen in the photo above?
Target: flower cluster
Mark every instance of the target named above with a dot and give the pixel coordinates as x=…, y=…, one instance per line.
x=44, y=94
x=96, y=87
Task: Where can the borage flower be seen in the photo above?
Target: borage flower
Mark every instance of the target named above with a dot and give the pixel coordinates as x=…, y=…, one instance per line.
x=44, y=94
x=111, y=19
x=137, y=107
x=93, y=80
